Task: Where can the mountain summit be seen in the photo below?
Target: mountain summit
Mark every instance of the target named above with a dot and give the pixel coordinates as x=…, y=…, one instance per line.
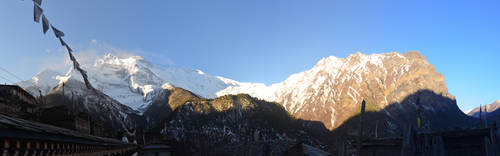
x=42, y=82
x=132, y=80
x=330, y=92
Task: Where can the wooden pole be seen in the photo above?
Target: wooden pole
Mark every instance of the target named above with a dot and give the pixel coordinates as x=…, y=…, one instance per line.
x=360, y=133
x=88, y=121
x=481, y=115
x=419, y=117
x=486, y=115
x=41, y=97
x=72, y=101
x=63, y=90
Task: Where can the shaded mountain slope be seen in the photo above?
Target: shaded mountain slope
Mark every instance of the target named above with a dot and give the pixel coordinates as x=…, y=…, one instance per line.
x=229, y=124
x=438, y=113
x=329, y=92
x=167, y=100
x=491, y=111
x=333, y=89
x=79, y=98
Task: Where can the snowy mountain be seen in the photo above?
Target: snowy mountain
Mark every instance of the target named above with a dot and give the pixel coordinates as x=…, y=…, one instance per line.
x=99, y=105
x=330, y=92
x=42, y=82
x=132, y=81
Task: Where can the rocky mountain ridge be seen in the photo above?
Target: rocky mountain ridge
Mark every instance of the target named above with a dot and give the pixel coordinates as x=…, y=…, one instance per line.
x=490, y=110
x=226, y=125
x=103, y=108
x=330, y=92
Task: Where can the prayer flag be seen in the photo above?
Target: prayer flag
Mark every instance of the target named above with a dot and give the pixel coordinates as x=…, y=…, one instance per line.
x=45, y=24
x=57, y=32
x=37, y=13
x=39, y=2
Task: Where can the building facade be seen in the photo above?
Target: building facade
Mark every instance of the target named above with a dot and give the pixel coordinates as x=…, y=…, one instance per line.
x=16, y=102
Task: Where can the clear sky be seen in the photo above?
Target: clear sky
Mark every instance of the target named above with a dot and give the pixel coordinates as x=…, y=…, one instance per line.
x=265, y=40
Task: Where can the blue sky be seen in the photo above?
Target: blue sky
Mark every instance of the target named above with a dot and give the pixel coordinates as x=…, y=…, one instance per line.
x=265, y=40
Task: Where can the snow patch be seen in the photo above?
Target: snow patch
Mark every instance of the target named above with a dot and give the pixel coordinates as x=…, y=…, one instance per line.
x=352, y=97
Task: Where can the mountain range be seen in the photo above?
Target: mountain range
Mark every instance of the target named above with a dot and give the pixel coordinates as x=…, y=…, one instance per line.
x=330, y=92
x=491, y=111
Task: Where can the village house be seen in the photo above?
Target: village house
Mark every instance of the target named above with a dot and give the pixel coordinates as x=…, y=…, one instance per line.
x=16, y=102
x=62, y=116
x=456, y=142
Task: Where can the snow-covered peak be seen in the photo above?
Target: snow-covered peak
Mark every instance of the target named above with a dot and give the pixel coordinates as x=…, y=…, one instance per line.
x=332, y=81
x=43, y=81
x=44, y=76
x=133, y=81
x=468, y=111
x=325, y=70
x=132, y=64
x=329, y=63
x=109, y=57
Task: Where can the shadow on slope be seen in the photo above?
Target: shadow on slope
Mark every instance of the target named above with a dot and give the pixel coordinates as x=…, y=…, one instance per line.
x=229, y=124
x=78, y=100
x=162, y=105
x=437, y=111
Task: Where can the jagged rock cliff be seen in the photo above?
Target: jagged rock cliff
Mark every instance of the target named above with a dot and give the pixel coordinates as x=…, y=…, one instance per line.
x=332, y=91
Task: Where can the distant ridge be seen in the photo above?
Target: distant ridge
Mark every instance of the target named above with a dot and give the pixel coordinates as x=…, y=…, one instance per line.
x=492, y=110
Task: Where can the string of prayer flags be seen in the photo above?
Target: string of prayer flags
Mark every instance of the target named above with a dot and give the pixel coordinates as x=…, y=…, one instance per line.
x=59, y=34
x=71, y=57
